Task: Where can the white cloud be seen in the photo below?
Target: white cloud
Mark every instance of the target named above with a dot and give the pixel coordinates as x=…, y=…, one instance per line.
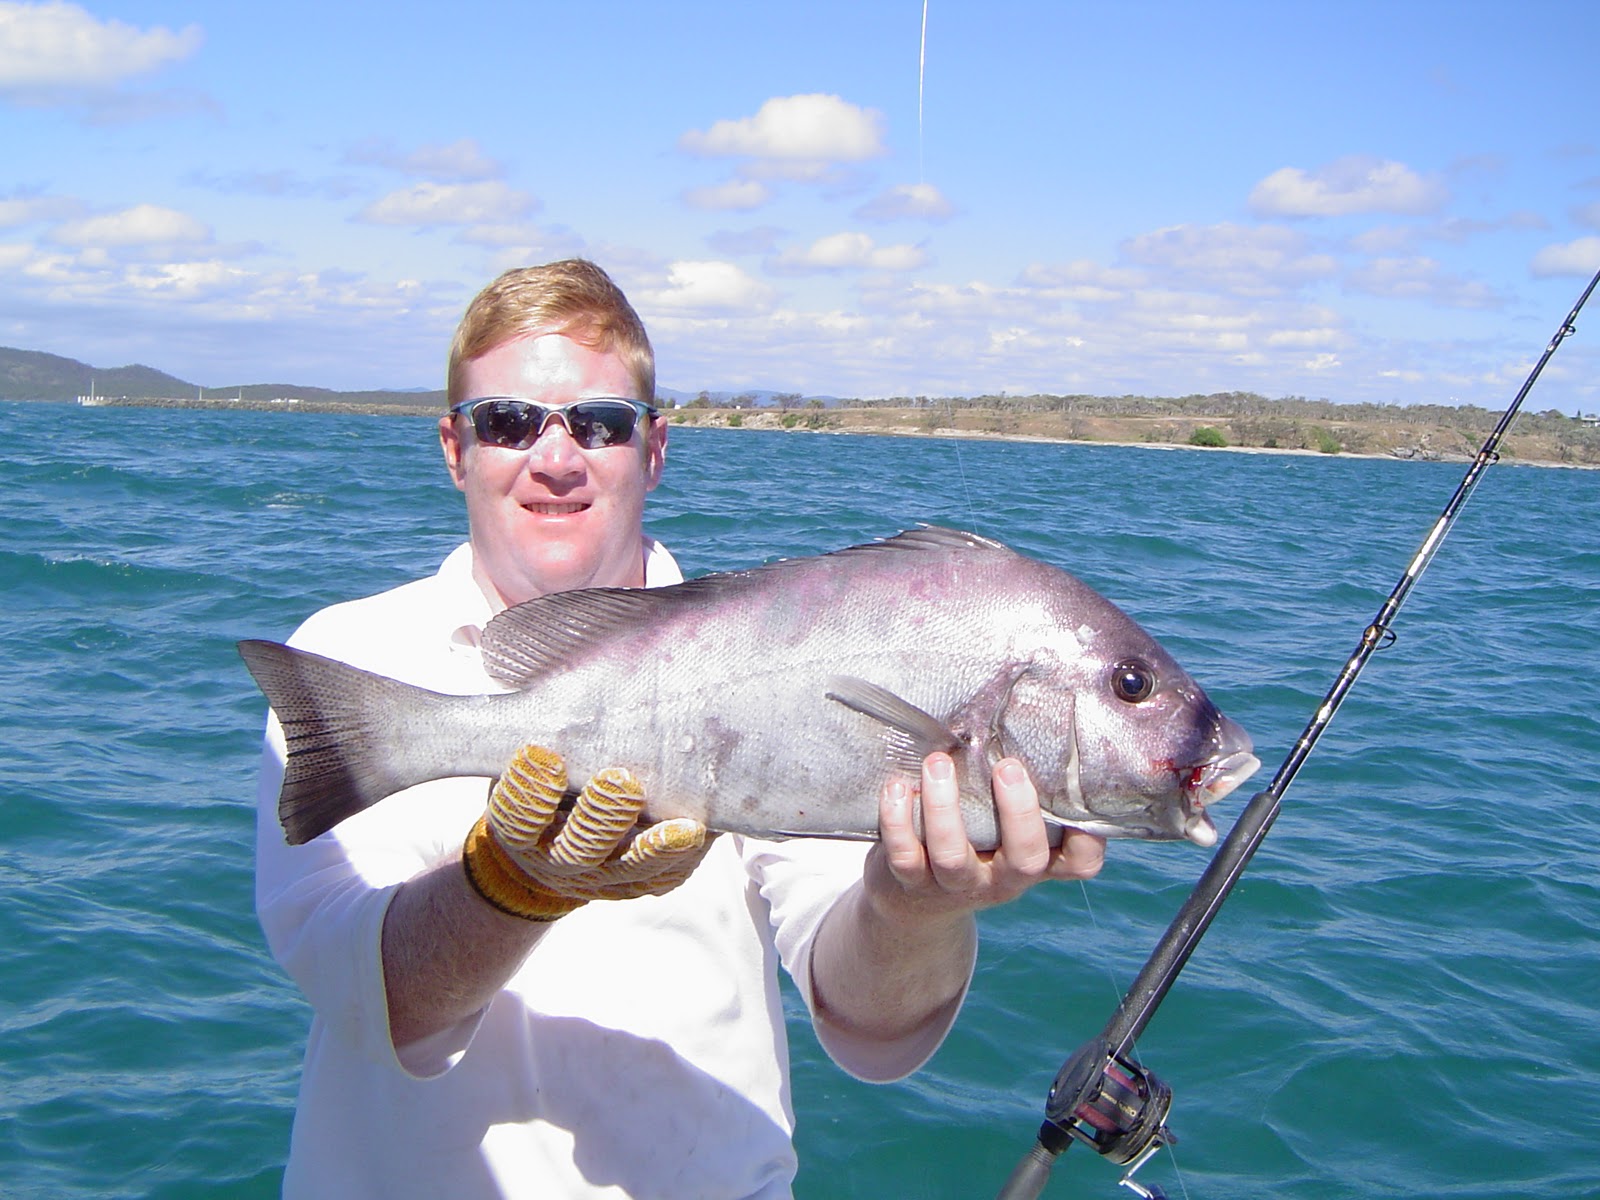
x=1580, y=257
x=1387, y=239
x=141, y=225
x=810, y=128
x=1588, y=214
x=761, y=239
x=26, y=210
x=1354, y=184
x=450, y=204
x=908, y=201
x=1403, y=239
x=707, y=286
x=60, y=46
x=1082, y=279
x=501, y=235
x=1249, y=260
x=850, y=251
x=185, y=280
x=736, y=195
x=279, y=181
x=1307, y=339
x=461, y=161
x=953, y=303
x=1419, y=278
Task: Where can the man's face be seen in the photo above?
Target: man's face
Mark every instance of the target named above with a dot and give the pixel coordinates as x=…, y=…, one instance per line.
x=554, y=516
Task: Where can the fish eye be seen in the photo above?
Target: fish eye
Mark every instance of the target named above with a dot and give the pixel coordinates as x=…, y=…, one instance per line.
x=1133, y=680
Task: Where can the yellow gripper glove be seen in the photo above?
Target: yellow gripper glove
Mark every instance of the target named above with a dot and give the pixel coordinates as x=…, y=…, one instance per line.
x=524, y=861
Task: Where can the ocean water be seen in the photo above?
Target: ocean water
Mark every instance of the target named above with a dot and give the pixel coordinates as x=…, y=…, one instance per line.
x=1401, y=999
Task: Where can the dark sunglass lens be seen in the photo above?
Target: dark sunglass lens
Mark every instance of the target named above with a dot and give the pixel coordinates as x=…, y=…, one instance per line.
x=604, y=423
x=509, y=423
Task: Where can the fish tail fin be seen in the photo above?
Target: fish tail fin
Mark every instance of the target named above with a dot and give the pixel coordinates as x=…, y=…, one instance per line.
x=347, y=735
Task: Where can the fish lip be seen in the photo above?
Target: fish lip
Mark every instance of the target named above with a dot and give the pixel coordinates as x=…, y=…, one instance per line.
x=1207, y=783
x=1200, y=829
x=1213, y=779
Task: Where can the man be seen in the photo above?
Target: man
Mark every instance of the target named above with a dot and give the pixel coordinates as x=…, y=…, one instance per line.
x=482, y=1027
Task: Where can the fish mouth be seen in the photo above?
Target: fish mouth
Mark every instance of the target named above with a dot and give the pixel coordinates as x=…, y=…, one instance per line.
x=1209, y=782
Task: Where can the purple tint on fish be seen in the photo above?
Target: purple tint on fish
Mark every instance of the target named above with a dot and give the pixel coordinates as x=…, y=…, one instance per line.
x=777, y=701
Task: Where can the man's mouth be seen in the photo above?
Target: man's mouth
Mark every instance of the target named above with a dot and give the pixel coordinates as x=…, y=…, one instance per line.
x=554, y=510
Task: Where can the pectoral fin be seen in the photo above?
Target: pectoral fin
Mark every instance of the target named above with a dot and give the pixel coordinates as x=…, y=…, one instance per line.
x=910, y=734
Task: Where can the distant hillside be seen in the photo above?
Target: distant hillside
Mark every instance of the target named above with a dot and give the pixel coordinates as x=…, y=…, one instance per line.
x=1242, y=420
x=34, y=375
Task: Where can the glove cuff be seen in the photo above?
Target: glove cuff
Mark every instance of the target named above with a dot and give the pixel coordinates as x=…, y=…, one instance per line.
x=504, y=885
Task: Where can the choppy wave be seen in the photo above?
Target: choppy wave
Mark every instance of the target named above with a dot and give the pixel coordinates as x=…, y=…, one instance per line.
x=1400, y=999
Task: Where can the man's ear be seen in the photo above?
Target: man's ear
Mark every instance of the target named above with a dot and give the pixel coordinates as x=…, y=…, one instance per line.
x=454, y=451
x=655, y=452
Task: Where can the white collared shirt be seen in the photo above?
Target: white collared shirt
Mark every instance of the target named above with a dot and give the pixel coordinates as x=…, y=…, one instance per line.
x=639, y=1051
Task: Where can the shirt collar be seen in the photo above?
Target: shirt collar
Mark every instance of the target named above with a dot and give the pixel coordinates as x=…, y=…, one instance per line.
x=660, y=570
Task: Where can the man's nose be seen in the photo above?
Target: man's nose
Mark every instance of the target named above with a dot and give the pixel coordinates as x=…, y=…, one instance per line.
x=554, y=452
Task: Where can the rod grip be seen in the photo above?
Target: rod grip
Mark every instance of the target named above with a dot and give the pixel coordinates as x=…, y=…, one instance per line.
x=1027, y=1180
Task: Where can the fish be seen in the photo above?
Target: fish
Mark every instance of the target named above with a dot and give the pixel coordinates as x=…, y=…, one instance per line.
x=777, y=701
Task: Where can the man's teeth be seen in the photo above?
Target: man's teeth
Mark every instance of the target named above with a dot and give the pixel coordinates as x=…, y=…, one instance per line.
x=555, y=510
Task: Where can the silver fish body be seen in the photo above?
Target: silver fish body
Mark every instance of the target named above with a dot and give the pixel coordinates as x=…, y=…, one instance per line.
x=777, y=701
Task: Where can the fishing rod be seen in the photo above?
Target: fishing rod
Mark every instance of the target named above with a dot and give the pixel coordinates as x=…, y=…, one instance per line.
x=1102, y=1096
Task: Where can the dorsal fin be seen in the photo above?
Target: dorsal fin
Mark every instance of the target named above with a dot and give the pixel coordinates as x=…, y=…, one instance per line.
x=528, y=641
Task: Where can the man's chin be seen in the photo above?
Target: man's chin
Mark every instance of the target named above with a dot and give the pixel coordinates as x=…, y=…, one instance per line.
x=562, y=566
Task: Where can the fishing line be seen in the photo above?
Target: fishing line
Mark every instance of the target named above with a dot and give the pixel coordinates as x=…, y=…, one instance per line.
x=1102, y=1096
x=922, y=75
x=961, y=469
x=1116, y=994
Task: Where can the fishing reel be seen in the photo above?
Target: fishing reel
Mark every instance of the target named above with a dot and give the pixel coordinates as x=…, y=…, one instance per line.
x=1113, y=1105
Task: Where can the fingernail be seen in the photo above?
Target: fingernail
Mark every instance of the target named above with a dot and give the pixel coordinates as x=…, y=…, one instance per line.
x=940, y=767
x=896, y=793
x=1010, y=772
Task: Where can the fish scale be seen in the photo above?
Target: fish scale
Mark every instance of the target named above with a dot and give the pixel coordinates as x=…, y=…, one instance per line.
x=777, y=701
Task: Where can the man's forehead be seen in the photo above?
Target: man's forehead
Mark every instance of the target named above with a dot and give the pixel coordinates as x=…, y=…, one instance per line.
x=548, y=358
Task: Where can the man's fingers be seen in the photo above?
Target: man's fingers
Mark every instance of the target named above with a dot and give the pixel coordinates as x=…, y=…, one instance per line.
x=524, y=800
x=1081, y=855
x=1025, y=846
x=607, y=808
x=950, y=851
x=657, y=848
x=908, y=861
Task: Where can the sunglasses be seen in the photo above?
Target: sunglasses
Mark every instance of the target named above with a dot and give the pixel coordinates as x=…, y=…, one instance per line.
x=515, y=424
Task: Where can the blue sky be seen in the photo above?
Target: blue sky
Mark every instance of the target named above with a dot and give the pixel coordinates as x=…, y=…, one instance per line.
x=1390, y=202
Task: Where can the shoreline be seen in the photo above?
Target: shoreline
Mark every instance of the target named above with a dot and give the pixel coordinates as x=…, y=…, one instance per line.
x=838, y=425
x=1396, y=441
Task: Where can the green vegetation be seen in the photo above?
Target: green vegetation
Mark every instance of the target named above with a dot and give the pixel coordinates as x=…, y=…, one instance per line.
x=1326, y=442
x=1234, y=420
